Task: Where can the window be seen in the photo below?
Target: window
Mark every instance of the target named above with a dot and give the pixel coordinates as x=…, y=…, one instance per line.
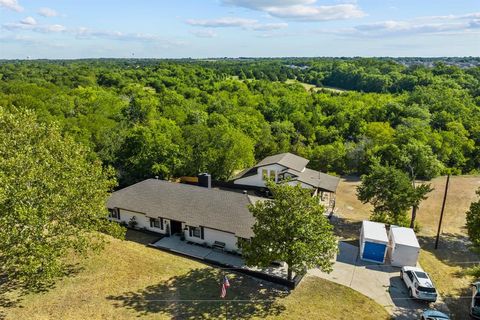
x=272, y=175
x=156, y=223
x=410, y=275
x=426, y=289
x=264, y=174
x=421, y=275
x=196, y=232
x=114, y=213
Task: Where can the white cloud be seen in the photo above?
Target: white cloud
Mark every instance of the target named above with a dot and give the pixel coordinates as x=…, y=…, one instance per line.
x=86, y=33
x=205, y=33
x=29, y=21
x=53, y=28
x=301, y=10
x=270, y=26
x=222, y=22
x=320, y=13
x=421, y=25
x=11, y=4
x=46, y=28
x=232, y=22
x=47, y=12
x=262, y=4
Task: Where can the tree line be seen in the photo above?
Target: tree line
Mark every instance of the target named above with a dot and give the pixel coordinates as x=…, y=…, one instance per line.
x=182, y=117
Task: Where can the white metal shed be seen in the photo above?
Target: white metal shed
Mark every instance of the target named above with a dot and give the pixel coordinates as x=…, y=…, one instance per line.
x=373, y=242
x=403, y=248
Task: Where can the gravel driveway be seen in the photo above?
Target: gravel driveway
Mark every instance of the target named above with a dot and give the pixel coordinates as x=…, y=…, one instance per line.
x=382, y=283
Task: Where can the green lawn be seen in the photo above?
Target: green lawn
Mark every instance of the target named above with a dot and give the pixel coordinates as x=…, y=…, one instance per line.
x=128, y=280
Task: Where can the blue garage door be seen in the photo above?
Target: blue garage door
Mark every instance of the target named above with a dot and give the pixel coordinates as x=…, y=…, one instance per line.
x=374, y=251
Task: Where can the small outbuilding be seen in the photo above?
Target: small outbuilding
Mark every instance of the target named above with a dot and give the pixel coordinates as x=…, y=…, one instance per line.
x=373, y=242
x=404, y=248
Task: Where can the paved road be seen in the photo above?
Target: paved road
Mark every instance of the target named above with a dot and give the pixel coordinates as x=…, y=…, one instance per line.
x=382, y=283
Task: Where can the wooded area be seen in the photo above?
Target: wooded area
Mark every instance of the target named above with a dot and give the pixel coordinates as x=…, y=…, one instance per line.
x=181, y=117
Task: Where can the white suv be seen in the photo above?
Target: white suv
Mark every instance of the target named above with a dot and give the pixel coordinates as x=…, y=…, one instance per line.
x=419, y=284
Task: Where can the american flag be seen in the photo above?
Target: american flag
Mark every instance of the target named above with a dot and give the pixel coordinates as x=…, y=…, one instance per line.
x=225, y=285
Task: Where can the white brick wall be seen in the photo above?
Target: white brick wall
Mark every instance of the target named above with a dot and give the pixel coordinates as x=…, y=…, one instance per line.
x=211, y=235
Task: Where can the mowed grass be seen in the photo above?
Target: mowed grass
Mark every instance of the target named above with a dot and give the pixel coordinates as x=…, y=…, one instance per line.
x=129, y=280
x=448, y=263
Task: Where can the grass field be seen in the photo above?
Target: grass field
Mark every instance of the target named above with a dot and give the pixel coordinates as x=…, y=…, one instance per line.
x=129, y=280
x=447, y=264
x=309, y=87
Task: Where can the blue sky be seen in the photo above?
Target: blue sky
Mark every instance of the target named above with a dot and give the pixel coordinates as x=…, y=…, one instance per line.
x=233, y=28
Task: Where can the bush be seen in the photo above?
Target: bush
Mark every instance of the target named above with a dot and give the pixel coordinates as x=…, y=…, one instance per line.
x=132, y=223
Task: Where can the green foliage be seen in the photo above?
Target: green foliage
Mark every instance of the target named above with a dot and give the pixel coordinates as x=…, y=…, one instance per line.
x=473, y=222
x=292, y=228
x=52, y=199
x=172, y=118
x=391, y=193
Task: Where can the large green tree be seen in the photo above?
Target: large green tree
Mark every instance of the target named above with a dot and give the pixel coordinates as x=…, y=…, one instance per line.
x=52, y=199
x=473, y=221
x=391, y=193
x=291, y=228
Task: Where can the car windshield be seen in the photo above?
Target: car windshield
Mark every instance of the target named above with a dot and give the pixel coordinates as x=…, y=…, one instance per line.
x=421, y=275
x=426, y=289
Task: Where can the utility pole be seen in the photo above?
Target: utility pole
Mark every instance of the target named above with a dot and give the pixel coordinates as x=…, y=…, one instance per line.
x=441, y=213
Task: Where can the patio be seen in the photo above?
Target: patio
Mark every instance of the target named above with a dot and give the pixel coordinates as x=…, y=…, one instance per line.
x=174, y=244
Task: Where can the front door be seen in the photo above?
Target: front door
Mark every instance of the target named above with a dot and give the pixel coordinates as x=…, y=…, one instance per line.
x=176, y=227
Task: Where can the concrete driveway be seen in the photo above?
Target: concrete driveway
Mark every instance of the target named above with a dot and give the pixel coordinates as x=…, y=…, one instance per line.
x=382, y=283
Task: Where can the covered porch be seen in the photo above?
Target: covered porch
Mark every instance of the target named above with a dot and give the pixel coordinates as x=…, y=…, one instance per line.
x=215, y=256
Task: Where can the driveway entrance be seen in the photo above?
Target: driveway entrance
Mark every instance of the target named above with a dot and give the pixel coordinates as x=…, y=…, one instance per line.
x=381, y=282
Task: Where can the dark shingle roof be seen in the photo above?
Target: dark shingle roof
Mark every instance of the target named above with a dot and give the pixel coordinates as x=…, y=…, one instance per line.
x=316, y=179
x=287, y=160
x=198, y=206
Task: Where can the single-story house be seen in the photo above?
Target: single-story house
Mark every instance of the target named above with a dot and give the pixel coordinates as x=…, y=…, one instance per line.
x=291, y=169
x=204, y=215
x=207, y=215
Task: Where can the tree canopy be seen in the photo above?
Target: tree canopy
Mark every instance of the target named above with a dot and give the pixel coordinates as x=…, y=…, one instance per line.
x=181, y=117
x=52, y=199
x=292, y=228
x=391, y=193
x=473, y=222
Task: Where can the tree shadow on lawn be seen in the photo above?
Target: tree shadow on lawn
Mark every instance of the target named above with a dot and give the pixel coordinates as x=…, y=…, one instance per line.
x=142, y=237
x=346, y=228
x=453, y=250
x=196, y=295
x=12, y=291
x=459, y=305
